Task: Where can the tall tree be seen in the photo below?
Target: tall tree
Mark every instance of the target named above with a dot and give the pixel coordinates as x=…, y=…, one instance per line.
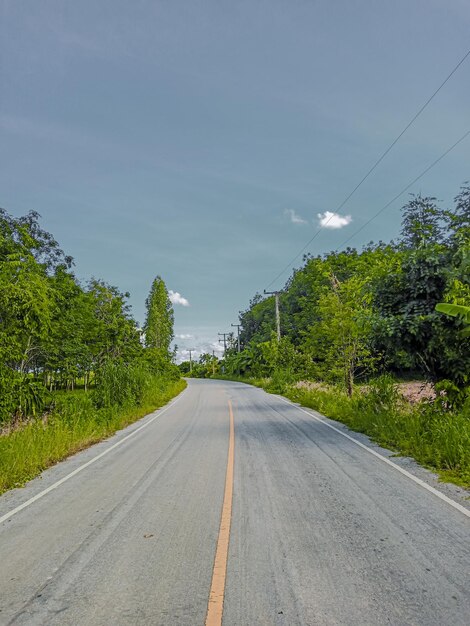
x=160, y=317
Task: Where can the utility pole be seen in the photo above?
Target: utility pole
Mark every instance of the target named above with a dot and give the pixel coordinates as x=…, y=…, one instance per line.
x=224, y=335
x=278, y=317
x=190, y=360
x=213, y=362
x=238, y=334
x=237, y=326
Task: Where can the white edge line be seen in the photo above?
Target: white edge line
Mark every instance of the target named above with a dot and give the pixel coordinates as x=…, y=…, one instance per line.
x=41, y=494
x=415, y=479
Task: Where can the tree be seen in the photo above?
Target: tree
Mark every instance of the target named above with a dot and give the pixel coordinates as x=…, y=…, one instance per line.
x=114, y=333
x=422, y=222
x=342, y=337
x=26, y=294
x=158, y=326
x=460, y=218
x=258, y=320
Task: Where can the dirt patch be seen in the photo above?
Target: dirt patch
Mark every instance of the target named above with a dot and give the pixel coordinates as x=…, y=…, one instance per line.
x=416, y=391
x=413, y=391
x=310, y=385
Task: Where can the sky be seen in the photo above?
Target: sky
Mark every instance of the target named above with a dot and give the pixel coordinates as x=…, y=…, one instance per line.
x=205, y=142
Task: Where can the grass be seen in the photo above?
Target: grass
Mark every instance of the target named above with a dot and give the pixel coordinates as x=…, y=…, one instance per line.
x=435, y=436
x=74, y=424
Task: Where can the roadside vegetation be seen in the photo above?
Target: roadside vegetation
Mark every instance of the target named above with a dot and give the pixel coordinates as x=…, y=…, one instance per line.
x=355, y=323
x=74, y=365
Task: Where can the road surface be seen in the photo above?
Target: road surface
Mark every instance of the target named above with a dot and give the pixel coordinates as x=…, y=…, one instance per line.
x=309, y=527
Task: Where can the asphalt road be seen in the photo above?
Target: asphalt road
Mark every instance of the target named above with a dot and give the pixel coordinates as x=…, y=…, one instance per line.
x=322, y=531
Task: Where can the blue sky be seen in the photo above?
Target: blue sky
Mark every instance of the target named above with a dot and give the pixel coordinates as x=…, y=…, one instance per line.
x=201, y=140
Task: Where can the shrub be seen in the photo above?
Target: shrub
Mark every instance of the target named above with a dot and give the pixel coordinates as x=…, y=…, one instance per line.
x=21, y=396
x=120, y=384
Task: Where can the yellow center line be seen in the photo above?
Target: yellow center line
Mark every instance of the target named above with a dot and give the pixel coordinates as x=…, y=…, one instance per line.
x=215, y=607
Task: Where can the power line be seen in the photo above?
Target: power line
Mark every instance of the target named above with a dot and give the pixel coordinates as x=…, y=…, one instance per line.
x=406, y=188
x=379, y=160
x=404, y=130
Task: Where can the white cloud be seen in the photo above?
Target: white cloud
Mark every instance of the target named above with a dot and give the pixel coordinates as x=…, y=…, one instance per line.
x=333, y=220
x=294, y=217
x=183, y=336
x=205, y=347
x=177, y=298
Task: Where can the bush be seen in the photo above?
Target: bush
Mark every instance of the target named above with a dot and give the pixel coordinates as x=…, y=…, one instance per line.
x=21, y=396
x=120, y=384
x=380, y=395
x=452, y=396
x=280, y=381
x=159, y=364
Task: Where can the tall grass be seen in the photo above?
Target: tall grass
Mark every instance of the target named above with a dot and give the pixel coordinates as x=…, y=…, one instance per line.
x=80, y=419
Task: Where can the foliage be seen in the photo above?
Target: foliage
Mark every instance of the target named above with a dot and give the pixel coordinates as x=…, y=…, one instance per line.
x=21, y=395
x=342, y=333
x=119, y=384
x=422, y=223
x=457, y=310
x=159, y=322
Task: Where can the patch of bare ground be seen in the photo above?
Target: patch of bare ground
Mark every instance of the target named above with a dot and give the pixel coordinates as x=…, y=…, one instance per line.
x=416, y=391
x=310, y=385
x=413, y=391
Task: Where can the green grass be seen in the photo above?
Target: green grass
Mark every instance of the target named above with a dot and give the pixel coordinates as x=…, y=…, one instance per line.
x=74, y=424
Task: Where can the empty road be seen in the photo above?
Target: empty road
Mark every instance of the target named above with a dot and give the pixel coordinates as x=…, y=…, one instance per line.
x=232, y=504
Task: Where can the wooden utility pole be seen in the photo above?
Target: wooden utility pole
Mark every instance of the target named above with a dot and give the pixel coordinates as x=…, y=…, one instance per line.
x=224, y=335
x=238, y=334
x=278, y=317
x=190, y=360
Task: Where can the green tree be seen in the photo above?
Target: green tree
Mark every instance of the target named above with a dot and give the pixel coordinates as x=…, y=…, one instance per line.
x=422, y=223
x=114, y=333
x=342, y=337
x=459, y=219
x=158, y=326
x=258, y=320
